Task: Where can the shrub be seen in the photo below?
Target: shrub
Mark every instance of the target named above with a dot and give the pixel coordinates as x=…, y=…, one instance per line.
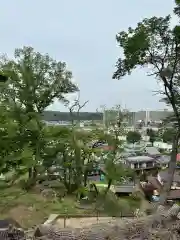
x=3, y=184
x=27, y=184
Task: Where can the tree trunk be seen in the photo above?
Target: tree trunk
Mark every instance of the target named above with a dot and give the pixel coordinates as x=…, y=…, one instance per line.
x=108, y=187
x=95, y=188
x=85, y=178
x=34, y=172
x=172, y=166
x=30, y=173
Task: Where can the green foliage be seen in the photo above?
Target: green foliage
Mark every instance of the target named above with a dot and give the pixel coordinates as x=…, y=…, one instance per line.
x=114, y=206
x=133, y=137
x=27, y=184
x=68, y=149
x=110, y=204
x=152, y=135
x=150, y=34
x=116, y=171
x=3, y=78
x=28, y=146
x=34, y=82
x=154, y=45
x=177, y=8
x=168, y=135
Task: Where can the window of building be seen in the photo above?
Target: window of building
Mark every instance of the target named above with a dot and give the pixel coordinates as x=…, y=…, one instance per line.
x=140, y=165
x=149, y=164
x=135, y=165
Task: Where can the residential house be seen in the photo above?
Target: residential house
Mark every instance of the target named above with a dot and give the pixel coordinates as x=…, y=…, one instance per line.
x=140, y=162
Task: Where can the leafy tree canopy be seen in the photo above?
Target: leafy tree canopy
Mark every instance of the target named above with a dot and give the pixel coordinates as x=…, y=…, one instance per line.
x=152, y=135
x=35, y=80
x=133, y=137
x=154, y=44
x=168, y=135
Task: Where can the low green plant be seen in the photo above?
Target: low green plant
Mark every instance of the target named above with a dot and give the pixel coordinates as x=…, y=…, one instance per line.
x=27, y=184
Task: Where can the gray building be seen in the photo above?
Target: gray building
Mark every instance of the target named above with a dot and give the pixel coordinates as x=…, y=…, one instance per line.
x=150, y=115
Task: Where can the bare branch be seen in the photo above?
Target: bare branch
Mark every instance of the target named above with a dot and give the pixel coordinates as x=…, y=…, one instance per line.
x=75, y=109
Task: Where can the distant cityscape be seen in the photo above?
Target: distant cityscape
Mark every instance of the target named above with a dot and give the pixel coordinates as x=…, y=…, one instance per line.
x=146, y=117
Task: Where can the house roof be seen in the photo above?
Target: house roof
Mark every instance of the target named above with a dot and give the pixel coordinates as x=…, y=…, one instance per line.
x=174, y=194
x=124, y=188
x=137, y=159
x=152, y=151
x=163, y=159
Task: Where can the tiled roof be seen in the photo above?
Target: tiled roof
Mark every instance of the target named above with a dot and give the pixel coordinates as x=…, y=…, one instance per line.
x=174, y=194
x=152, y=151
x=163, y=159
x=124, y=188
x=140, y=159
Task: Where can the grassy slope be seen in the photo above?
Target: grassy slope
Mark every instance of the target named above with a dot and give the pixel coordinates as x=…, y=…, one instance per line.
x=30, y=209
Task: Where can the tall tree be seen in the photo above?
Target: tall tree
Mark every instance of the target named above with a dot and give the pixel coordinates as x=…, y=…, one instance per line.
x=154, y=44
x=10, y=142
x=35, y=81
x=68, y=149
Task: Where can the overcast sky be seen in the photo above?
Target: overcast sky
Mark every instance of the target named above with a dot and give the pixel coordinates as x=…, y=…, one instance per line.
x=82, y=33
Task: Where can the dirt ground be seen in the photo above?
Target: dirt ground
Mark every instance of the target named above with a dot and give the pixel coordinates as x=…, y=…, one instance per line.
x=30, y=209
x=26, y=216
x=82, y=222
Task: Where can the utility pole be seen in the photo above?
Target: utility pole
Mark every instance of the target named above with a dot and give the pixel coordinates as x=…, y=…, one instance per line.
x=103, y=109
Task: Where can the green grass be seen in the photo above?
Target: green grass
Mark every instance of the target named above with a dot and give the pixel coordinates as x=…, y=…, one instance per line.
x=30, y=208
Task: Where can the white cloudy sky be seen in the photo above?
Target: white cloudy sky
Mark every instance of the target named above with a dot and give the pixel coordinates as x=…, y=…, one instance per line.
x=82, y=33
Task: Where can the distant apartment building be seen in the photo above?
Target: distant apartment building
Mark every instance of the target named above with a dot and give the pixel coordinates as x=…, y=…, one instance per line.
x=132, y=118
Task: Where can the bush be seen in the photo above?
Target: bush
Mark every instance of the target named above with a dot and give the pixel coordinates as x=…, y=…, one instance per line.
x=57, y=186
x=42, y=178
x=134, y=201
x=27, y=184
x=3, y=184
